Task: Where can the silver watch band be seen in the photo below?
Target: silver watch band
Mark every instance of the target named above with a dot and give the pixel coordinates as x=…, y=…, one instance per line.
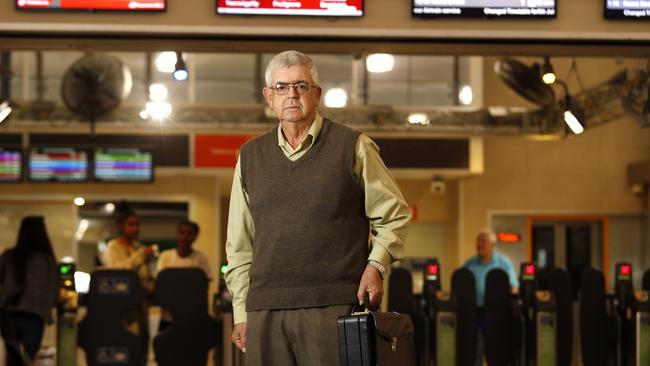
x=380, y=267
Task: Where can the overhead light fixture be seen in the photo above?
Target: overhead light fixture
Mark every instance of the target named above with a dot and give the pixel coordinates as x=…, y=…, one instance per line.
x=336, y=98
x=180, y=70
x=166, y=62
x=158, y=92
x=570, y=113
x=158, y=110
x=5, y=111
x=109, y=207
x=466, y=96
x=380, y=62
x=548, y=74
x=79, y=201
x=418, y=119
x=572, y=121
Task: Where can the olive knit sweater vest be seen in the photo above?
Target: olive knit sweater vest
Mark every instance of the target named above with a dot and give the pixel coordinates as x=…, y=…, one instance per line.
x=311, y=233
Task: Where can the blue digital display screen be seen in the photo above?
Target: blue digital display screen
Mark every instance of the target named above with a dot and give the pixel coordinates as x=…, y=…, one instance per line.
x=55, y=164
x=123, y=165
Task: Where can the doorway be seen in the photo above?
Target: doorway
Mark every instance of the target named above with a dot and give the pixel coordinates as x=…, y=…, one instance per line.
x=570, y=244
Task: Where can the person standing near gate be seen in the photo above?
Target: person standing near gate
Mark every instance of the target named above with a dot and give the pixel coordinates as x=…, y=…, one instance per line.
x=485, y=260
x=306, y=198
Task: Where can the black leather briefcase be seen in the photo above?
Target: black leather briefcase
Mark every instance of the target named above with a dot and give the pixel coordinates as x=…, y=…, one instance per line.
x=369, y=338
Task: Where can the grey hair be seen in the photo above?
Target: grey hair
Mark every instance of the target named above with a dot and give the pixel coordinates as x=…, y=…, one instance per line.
x=492, y=237
x=287, y=59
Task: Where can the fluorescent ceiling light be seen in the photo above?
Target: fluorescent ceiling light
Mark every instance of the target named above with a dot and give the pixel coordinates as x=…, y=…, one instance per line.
x=380, y=62
x=336, y=98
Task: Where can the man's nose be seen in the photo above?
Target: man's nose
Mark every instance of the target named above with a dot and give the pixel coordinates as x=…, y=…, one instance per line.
x=293, y=92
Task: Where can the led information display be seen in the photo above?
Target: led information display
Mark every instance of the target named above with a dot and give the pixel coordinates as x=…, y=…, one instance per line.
x=11, y=162
x=58, y=165
x=627, y=9
x=484, y=8
x=123, y=165
x=127, y=5
x=335, y=8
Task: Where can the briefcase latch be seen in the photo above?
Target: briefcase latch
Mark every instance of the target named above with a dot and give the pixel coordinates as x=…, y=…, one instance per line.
x=393, y=344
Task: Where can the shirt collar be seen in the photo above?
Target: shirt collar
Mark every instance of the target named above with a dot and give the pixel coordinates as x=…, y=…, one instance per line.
x=312, y=134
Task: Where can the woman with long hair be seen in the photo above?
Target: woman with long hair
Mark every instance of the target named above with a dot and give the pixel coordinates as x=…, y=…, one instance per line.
x=28, y=283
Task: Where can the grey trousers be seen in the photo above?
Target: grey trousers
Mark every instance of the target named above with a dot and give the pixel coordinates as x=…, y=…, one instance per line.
x=300, y=337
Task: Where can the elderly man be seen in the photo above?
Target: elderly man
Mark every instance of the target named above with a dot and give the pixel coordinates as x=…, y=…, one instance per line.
x=485, y=260
x=315, y=219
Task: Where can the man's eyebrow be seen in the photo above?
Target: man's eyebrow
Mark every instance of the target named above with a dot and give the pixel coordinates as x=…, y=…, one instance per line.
x=291, y=82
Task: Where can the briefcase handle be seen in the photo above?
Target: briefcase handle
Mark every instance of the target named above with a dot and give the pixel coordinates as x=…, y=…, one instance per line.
x=365, y=308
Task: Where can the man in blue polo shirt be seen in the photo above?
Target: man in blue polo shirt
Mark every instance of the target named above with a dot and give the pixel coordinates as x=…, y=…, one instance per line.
x=485, y=260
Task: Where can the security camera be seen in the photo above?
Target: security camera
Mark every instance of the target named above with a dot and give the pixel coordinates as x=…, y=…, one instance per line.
x=437, y=186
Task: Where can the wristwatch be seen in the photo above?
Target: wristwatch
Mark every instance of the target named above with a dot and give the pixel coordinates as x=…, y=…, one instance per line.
x=380, y=267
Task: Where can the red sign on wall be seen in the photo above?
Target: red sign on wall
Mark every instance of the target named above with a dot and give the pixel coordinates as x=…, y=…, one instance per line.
x=217, y=151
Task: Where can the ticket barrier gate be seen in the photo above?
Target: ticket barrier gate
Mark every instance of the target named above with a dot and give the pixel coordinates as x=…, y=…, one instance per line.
x=444, y=329
x=632, y=314
x=642, y=327
x=558, y=282
x=526, y=305
x=114, y=296
x=596, y=324
x=500, y=329
x=623, y=302
x=523, y=329
x=546, y=326
x=463, y=288
x=193, y=332
x=431, y=286
x=66, y=321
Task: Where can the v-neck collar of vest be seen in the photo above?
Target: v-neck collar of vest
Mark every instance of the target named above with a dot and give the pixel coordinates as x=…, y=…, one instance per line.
x=292, y=165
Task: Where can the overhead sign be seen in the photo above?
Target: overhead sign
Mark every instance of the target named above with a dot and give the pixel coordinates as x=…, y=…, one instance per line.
x=217, y=151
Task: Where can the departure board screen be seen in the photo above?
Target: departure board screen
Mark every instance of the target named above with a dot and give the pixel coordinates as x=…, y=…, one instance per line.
x=90, y=5
x=627, y=9
x=123, y=165
x=54, y=164
x=485, y=8
x=334, y=8
x=11, y=165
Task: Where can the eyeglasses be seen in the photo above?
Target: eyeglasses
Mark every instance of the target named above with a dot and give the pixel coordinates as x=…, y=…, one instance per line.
x=301, y=87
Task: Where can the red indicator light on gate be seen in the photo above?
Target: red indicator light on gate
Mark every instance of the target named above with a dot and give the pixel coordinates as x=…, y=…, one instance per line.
x=529, y=269
x=432, y=269
x=625, y=270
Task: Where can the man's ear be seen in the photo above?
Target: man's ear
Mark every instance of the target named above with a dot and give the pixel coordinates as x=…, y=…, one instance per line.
x=318, y=92
x=268, y=96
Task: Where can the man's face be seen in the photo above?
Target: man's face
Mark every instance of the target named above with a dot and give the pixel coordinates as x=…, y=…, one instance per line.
x=293, y=107
x=483, y=245
x=185, y=236
x=130, y=228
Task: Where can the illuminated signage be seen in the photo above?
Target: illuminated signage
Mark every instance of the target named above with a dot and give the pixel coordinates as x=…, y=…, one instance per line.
x=508, y=237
